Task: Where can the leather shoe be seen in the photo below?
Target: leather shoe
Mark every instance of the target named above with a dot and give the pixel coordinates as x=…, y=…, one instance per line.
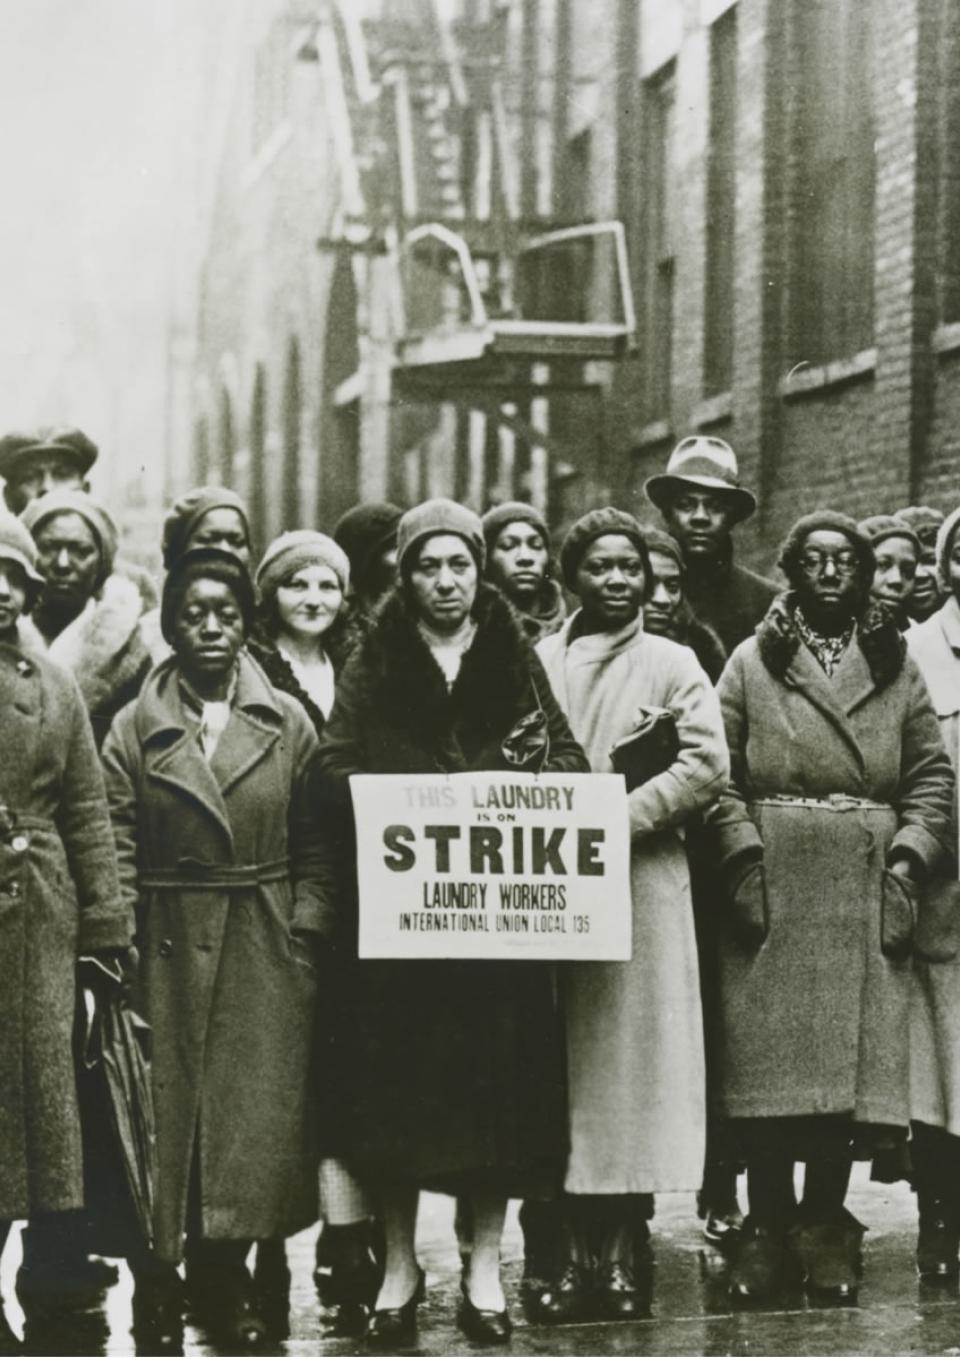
x=760, y=1266
x=829, y=1254
x=568, y=1298
x=393, y=1327
x=938, y=1245
x=483, y=1327
x=615, y=1293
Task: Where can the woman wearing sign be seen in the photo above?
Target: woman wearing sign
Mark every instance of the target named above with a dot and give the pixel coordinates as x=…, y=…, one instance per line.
x=206, y=777
x=839, y=808
x=449, y=1072
x=634, y=1032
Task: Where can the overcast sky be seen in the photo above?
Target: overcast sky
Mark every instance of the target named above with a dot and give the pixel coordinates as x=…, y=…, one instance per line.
x=102, y=143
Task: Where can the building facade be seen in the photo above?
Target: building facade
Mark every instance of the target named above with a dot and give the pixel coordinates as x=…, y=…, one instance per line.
x=519, y=248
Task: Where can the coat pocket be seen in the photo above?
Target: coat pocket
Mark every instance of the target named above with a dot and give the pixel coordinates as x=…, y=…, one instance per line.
x=938, y=922
x=898, y=914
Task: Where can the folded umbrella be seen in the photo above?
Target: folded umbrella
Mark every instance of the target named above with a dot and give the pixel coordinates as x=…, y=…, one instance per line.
x=117, y=1113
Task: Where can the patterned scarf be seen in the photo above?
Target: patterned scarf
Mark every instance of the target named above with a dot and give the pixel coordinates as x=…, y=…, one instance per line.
x=826, y=650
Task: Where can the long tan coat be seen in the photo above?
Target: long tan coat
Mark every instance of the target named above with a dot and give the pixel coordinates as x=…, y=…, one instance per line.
x=828, y=775
x=219, y=861
x=634, y=1029
x=935, y=1001
x=59, y=897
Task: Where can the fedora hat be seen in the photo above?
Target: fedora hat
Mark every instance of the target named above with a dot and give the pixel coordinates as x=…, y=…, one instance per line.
x=708, y=463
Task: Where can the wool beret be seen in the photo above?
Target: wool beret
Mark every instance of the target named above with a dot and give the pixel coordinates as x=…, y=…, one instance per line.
x=290, y=552
x=512, y=511
x=18, y=546
x=187, y=512
x=944, y=542
x=16, y=450
x=598, y=523
x=924, y=521
x=205, y=563
x=831, y=521
x=94, y=514
x=659, y=541
x=879, y=527
x=365, y=532
x=435, y=517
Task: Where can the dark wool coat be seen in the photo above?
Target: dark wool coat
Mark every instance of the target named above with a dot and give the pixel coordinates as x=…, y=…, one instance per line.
x=220, y=862
x=443, y=1068
x=729, y=598
x=59, y=897
x=827, y=777
x=339, y=643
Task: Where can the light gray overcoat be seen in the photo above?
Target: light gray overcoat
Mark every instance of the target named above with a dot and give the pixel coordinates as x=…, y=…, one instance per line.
x=634, y=1029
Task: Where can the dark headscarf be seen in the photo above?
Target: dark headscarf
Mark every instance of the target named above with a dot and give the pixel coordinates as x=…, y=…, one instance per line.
x=206, y=563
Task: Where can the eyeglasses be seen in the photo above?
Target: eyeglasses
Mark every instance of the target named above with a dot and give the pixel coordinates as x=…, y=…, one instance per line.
x=814, y=562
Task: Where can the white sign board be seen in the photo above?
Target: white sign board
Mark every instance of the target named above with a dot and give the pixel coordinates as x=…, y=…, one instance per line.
x=493, y=865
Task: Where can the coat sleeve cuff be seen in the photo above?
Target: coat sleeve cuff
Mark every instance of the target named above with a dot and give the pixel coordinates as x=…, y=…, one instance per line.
x=918, y=843
x=312, y=915
x=104, y=931
x=738, y=845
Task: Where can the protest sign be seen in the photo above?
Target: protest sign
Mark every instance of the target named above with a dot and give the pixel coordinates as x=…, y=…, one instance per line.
x=493, y=865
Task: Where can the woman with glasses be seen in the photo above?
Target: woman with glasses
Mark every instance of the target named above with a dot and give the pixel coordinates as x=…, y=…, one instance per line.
x=839, y=808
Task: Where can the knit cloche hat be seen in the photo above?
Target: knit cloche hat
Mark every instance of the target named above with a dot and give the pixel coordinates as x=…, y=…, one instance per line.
x=435, y=517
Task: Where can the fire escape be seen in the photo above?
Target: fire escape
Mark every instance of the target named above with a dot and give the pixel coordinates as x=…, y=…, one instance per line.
x=492, y=314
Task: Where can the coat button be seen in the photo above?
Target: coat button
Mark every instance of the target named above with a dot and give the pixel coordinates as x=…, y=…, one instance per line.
x=14, y=889
x=166, y=947
x=19, y=843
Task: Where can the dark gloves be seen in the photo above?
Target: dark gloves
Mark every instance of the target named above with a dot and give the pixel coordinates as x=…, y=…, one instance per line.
x=108, y=970
x=747, y=906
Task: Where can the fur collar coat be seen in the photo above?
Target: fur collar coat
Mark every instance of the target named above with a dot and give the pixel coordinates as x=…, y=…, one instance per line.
x=394, y=714
x=104, y=648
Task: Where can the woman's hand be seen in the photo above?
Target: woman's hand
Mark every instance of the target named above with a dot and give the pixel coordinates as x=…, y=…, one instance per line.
x=748, y=912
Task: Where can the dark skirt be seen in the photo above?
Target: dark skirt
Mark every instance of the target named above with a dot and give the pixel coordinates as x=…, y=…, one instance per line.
x=447, y=1074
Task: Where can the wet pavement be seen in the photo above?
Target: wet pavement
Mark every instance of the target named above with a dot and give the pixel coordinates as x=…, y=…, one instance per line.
x=689, y=1311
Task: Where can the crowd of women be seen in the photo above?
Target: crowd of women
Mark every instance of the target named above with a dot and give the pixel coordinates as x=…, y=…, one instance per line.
x=176, y=812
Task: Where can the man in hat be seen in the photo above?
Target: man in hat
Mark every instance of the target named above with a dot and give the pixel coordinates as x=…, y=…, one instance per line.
x=57, y=457
x=47, y=459
x=702, y=501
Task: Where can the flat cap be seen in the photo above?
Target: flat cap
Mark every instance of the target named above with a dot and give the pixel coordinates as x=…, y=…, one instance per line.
x=17, y=449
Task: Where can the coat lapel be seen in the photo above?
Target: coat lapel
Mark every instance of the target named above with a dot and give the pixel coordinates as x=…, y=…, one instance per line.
x=172, y=752
x=252, y=731
x=831, y=698
x=20, y=703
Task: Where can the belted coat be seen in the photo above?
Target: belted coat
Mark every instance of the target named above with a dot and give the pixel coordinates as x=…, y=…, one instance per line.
x=828, y=777
x=59, y=897
x=219, y=862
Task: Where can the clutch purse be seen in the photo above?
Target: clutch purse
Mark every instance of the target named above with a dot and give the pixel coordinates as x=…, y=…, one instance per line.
x=650, y=748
